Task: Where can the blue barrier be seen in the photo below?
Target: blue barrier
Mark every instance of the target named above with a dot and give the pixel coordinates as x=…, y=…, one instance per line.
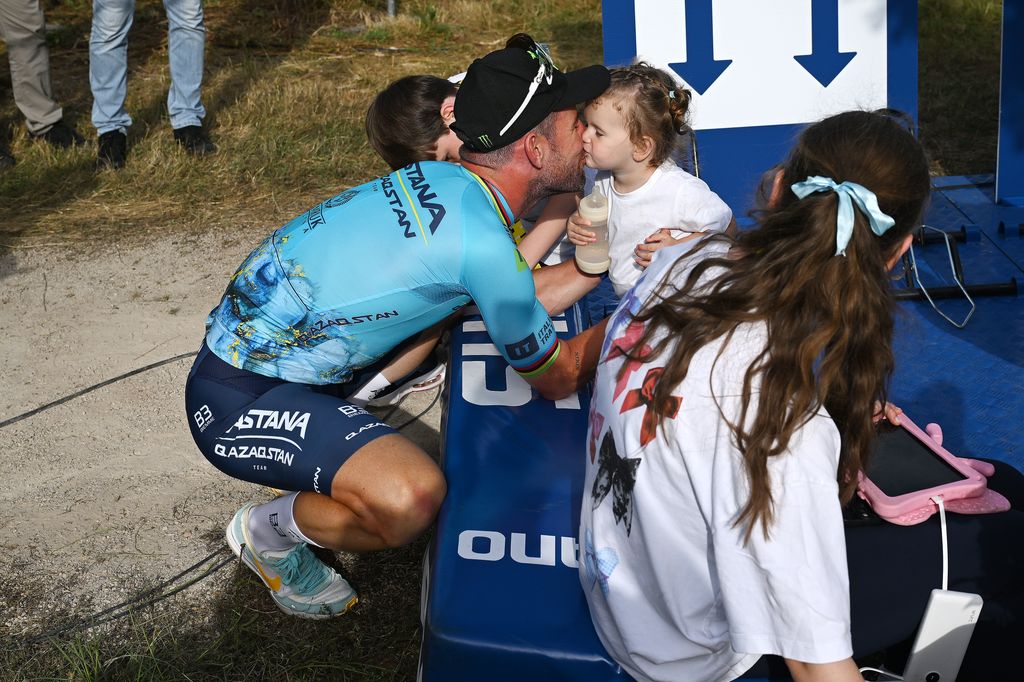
x=501, y=593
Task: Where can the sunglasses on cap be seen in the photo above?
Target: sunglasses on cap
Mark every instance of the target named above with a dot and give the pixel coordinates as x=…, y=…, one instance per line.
x=545, y=72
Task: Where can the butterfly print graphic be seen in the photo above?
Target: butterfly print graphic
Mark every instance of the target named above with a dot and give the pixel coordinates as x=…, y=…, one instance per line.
x=600, y=564
x=643, y=397
x=616, y=475
x=596, y=422
x=623, y=345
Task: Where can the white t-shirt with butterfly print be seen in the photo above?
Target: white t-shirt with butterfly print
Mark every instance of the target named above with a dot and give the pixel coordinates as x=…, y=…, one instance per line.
x=673, y=591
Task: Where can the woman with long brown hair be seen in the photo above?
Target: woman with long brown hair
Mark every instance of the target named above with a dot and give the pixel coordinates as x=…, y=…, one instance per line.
x=733, y=408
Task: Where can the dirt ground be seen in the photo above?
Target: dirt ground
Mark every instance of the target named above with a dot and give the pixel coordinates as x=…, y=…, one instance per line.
x=107, y=492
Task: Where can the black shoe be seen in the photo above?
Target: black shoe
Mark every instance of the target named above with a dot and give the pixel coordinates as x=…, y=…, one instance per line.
x=61, y=136
x=194, y=140
x=112, y=149
x=6, y=160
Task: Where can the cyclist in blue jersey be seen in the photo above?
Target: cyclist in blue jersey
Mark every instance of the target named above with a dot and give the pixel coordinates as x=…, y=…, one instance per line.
x=335, y=293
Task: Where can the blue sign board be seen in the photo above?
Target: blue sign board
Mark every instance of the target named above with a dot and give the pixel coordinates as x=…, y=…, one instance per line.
x=759, y=71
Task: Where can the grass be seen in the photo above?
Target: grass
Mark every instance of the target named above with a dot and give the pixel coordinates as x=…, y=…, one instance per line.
x=286, y=88
x=959, y=83
x=287, y=83
x=233, y=632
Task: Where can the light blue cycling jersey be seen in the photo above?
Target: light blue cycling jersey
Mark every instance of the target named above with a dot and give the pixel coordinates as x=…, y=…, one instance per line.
x=347, y=281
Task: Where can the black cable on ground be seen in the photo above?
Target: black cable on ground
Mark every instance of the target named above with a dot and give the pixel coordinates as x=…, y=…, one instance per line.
x=90, y=389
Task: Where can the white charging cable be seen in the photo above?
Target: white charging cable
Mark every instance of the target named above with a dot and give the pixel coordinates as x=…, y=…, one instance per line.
x=937, y=499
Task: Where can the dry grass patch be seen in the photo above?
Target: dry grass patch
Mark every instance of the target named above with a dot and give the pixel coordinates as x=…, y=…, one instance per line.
x=286, y=90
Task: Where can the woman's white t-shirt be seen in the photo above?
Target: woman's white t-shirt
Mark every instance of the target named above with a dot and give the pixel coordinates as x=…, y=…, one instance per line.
x=673, y=591
x=671, y=198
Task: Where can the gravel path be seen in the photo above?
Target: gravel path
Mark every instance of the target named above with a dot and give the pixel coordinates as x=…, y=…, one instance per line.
x=107, y=492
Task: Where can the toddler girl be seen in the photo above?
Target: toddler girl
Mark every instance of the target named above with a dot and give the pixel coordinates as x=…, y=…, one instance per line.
x=632, y=130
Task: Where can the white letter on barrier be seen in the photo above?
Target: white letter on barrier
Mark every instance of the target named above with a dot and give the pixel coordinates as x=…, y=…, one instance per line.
x=496, y=545
x=570, y=402
x=547, y=550
x=475, y=391
x=570, y=548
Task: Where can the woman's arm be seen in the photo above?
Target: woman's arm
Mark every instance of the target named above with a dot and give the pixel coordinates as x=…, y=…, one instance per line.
x=548, y=229
x=840, y=671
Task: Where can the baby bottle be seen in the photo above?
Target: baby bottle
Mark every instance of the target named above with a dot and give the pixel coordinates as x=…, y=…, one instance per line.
x=593, y=258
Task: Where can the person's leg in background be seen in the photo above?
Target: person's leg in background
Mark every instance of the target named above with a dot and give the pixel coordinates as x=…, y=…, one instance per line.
x=108, y=77
x=186, y=42
x=412, y=366
x=23, y=28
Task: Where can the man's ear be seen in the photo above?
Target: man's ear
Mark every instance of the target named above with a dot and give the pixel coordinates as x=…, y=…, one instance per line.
x=536, y=148
x=448, y=110
x=643, y=149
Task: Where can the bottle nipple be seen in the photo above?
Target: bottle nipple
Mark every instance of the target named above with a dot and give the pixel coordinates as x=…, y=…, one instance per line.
x=596, y=200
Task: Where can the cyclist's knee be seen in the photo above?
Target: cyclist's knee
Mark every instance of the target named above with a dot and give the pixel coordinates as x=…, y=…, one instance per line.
x=414, y=509
x=398, y=506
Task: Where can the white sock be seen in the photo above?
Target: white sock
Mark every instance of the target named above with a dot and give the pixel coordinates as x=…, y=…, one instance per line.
x=272, y=526
x=366, y=392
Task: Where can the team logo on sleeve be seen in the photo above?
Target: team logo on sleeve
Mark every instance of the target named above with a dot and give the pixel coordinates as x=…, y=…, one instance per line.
x=520, y=350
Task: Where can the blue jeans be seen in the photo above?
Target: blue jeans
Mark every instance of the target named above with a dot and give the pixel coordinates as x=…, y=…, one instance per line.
x=108, y=62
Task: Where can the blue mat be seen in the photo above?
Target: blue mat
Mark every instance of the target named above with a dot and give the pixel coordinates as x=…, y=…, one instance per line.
x=969, y=381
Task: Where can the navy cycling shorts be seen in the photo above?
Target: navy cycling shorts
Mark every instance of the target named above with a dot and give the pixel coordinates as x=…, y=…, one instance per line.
x=273, y=432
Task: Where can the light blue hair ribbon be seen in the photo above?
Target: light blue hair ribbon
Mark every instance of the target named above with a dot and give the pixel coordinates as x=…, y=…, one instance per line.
x=850, y=193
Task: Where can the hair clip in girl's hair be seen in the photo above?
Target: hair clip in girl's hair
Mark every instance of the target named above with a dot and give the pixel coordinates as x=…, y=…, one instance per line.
x=671, y=94
x=850, y=193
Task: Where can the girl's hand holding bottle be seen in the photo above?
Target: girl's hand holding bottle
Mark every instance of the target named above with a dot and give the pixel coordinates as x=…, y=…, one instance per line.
x=578, y=232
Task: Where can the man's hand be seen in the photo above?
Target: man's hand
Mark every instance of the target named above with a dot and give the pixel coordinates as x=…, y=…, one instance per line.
x=575, y=365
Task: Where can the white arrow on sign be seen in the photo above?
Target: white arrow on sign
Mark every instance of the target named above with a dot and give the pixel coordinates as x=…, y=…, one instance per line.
x=769, y=63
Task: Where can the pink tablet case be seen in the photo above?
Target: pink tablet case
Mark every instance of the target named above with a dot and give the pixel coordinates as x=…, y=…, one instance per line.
x=969, y=496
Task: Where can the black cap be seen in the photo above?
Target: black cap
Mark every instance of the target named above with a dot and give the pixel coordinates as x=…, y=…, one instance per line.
x=497, y=85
